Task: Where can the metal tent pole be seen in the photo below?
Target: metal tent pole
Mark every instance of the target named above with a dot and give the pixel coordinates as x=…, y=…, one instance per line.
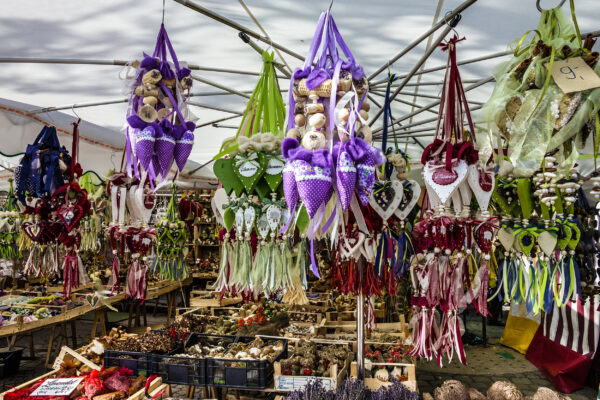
x=219, y=86
x=360, y=325
x=413, y=70
x=211, y=107
x=217, y=120
x=424, y=36
x=226, y=21
x=246, y=39
x=435, y=103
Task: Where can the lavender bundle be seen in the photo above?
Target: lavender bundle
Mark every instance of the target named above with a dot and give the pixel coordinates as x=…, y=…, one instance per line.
x=353, y=389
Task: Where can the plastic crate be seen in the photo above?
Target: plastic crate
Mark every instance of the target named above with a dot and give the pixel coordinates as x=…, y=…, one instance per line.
x=240, y=374
x=139, y=363
x=10, y=361
x=180, y=370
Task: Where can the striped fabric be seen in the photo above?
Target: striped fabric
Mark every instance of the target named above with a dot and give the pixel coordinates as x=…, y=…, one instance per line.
x=575, y=326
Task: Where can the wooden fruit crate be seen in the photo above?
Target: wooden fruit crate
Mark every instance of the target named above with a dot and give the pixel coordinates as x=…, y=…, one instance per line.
x=288, y=383
x=374, y=383
x=66, y=353
x=208, y=299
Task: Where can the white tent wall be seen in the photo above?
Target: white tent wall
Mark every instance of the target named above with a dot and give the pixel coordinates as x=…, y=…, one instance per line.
x=118, y=29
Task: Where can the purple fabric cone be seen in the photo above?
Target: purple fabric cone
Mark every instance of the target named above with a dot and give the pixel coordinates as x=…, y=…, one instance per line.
x=365, y=170
x=314, y=184
x=290, y=190
x=144, y=146
x=163, y=148
x=183, y=148
x=346, y=177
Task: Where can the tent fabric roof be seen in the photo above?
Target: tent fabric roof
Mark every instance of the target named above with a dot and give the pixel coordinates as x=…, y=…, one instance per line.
x=122, y=30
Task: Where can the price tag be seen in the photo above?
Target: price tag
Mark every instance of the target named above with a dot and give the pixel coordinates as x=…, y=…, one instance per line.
x=574, y=75
x=57, y=387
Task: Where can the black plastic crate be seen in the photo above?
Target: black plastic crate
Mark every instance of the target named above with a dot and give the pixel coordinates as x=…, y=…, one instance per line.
x=10, y=361
x=180, y=370
x=241, y=374
x=139, y=363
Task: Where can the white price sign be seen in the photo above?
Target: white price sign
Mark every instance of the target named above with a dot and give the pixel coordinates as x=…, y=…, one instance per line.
x=57, y=387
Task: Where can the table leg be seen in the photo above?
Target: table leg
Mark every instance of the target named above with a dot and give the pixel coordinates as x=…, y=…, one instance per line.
x=50, y=345
x=74, y=334
x=130, y=315
x=31, y=346
x=144, y=310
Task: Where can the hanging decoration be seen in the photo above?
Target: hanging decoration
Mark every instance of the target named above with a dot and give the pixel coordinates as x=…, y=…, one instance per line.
x=328, y=149
x=10, y=226
x=160, y=131
x=171, y=240
x=452, y=241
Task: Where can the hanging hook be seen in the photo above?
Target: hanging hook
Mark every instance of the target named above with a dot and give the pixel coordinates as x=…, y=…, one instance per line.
x=163, y=13
x=330, y=5
x=74, y=112
x=540, y=9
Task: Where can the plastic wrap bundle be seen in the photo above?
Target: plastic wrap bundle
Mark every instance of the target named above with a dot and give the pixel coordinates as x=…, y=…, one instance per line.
x=527, y=108
x=160, y=130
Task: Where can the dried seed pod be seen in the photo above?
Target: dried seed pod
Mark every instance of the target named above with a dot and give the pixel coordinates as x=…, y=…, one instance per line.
x=162, y=113
x=150, y=100
x=314, y=108
x=317, y=121
x=300, y=120
x=364, y=115
x=170, y=83
x=147, y=113
x=186, y=82
x=148, y=90
x=151, y=77
x=294, y=133
x=365, y=106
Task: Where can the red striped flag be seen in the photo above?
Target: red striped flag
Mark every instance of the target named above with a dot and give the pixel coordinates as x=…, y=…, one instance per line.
x=566, y=342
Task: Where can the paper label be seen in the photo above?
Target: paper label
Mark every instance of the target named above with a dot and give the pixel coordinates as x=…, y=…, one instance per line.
x=275, y=166
x=248, y=169
x=57, y=387
x=574, y=75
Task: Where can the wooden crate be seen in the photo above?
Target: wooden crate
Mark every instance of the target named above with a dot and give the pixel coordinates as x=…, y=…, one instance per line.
x=374, y=384
x=288, y=383
x=67, y=353
x=208, y=299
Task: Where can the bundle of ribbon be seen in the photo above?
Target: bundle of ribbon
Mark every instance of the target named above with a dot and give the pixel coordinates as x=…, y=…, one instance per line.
x=171, y=244
x=451, y=240
x=159, y=131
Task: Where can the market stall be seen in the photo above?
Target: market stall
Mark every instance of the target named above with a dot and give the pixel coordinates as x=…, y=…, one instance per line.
x=330, y=246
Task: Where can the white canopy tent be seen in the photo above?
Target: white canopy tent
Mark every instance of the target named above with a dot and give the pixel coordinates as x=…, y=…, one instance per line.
x=95, y=34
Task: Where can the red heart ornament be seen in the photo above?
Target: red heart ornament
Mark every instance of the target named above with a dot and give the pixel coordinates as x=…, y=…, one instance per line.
x=70, y=215
x=33, y=229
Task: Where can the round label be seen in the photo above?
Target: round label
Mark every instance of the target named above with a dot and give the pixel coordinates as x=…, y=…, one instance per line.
x=275, y=166
x=248, y=169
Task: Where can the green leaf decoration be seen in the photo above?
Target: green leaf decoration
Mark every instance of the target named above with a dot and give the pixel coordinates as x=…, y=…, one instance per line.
x=223, y=169
x=575, y=235
x=262, y=189
x=229, y=218
x=249, y=168
x=565, y=237
x=302, y=220
x=274, y=172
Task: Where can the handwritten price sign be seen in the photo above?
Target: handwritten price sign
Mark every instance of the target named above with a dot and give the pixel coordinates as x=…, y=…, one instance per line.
x=574, y=75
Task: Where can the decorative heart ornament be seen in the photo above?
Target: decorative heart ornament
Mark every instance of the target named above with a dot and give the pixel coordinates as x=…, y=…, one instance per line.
x=33, y=230
x=547, y=242
x=223, y=170
x=262, y=226
x=482, y=184
x=445, y=183
x=386, y=198
x=506, y=237
x=70, y=215
x=273, y=173
x=273, y=217
x=249, y=168
x=408, y=201
x=92, y=299
x=217, y=203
